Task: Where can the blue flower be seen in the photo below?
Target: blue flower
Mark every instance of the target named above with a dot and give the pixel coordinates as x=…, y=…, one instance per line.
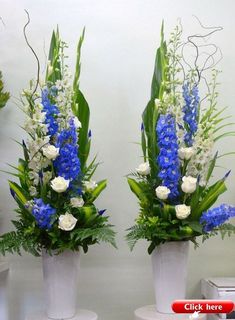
x=43, y=213
x=190, y=110
x=67, y=164
x=168, y=160
x=216, y=217
x=51, y=112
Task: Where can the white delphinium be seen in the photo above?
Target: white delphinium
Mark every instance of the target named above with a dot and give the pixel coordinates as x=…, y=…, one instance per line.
x=33, y=191
x=64, y=95
x=203, y=146
x=34, y=177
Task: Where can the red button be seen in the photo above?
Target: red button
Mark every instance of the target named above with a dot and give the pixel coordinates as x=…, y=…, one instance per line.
x=202, y=306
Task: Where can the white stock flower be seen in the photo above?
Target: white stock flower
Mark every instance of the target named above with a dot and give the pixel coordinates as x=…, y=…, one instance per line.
x=143, y=169
x=77, y=123
x=34, y=176
x=59, y=184
x=186, y=153
x=77, y=202
x=162, y=192
x=90, y=185
x=50, y=152
x=182, y=211
x=67, y=222
x=189, y=184
x=39, y=116
x=32, y=191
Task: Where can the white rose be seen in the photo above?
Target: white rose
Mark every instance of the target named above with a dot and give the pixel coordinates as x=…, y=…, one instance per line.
x=67, y=222
x=77, y=123
x=189, y=184
x=186, y=153
x=143, y=169
x=182, y=211
x=162, y=192
x=50, y=152
x=90, y=185
x=59, y=184
x=77, y=202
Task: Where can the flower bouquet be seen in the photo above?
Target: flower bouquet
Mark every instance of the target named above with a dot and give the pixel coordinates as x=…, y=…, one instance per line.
x=56, y=194
x=173, y=185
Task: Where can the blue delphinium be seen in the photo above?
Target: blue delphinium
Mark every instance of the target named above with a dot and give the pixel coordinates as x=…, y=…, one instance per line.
x=216, y=217
x=51, y=112
x=67, y=164
x=190, y=110
x=168, y=160
x=43, y=213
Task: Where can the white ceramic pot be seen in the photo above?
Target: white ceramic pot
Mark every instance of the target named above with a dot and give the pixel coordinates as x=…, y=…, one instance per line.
x=169, y=262
x=60, y=274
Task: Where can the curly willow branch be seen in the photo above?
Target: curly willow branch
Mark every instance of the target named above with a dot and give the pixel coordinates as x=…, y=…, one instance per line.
x=34, y=53
x=210, y=57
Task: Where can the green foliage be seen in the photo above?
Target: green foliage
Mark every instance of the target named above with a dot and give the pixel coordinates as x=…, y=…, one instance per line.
x=4, y=96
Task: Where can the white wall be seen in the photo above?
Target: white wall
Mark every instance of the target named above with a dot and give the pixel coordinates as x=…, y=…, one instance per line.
x=117, y=64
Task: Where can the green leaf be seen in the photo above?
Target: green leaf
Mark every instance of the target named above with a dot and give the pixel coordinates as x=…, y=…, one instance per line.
x=211, y=167
x=151, y=247
x=159, y=68
x=195, y=226
x=144, y=145
x=82, y=111
x=101, y=185
x=226, y=134
x=18, y=190
x=78, y=63
x=136, y=189
x=149, y=117
x=211, y=196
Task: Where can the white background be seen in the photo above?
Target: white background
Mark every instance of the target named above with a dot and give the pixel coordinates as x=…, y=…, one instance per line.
x=117, y=64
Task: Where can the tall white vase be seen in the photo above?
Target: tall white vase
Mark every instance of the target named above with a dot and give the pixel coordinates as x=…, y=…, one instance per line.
x=169, y=262
x=60, y=274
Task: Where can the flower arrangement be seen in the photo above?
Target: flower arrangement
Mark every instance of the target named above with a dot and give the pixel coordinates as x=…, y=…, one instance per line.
x=178, y=133
x=56, y=193
x=4, y=96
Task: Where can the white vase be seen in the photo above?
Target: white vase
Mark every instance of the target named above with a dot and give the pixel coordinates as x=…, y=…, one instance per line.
x=169, y=262
x=60, y=274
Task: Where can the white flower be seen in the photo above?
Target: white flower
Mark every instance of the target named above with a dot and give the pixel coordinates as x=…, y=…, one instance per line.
x=186, y=153
x=143, y=169
x=50, y=152
x=59, y=184
x=189, y=184
x=34, y=176
x=77, y=123
x=32, y=191
x=182, y=211
x=90, y=185
x=77, y=202
x=157, y=102
x=162, y=192
x=67, y=222
x=39, y=116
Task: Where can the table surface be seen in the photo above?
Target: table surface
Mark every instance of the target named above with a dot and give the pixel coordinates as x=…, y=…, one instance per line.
x=81, y=315
x=150, y=313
